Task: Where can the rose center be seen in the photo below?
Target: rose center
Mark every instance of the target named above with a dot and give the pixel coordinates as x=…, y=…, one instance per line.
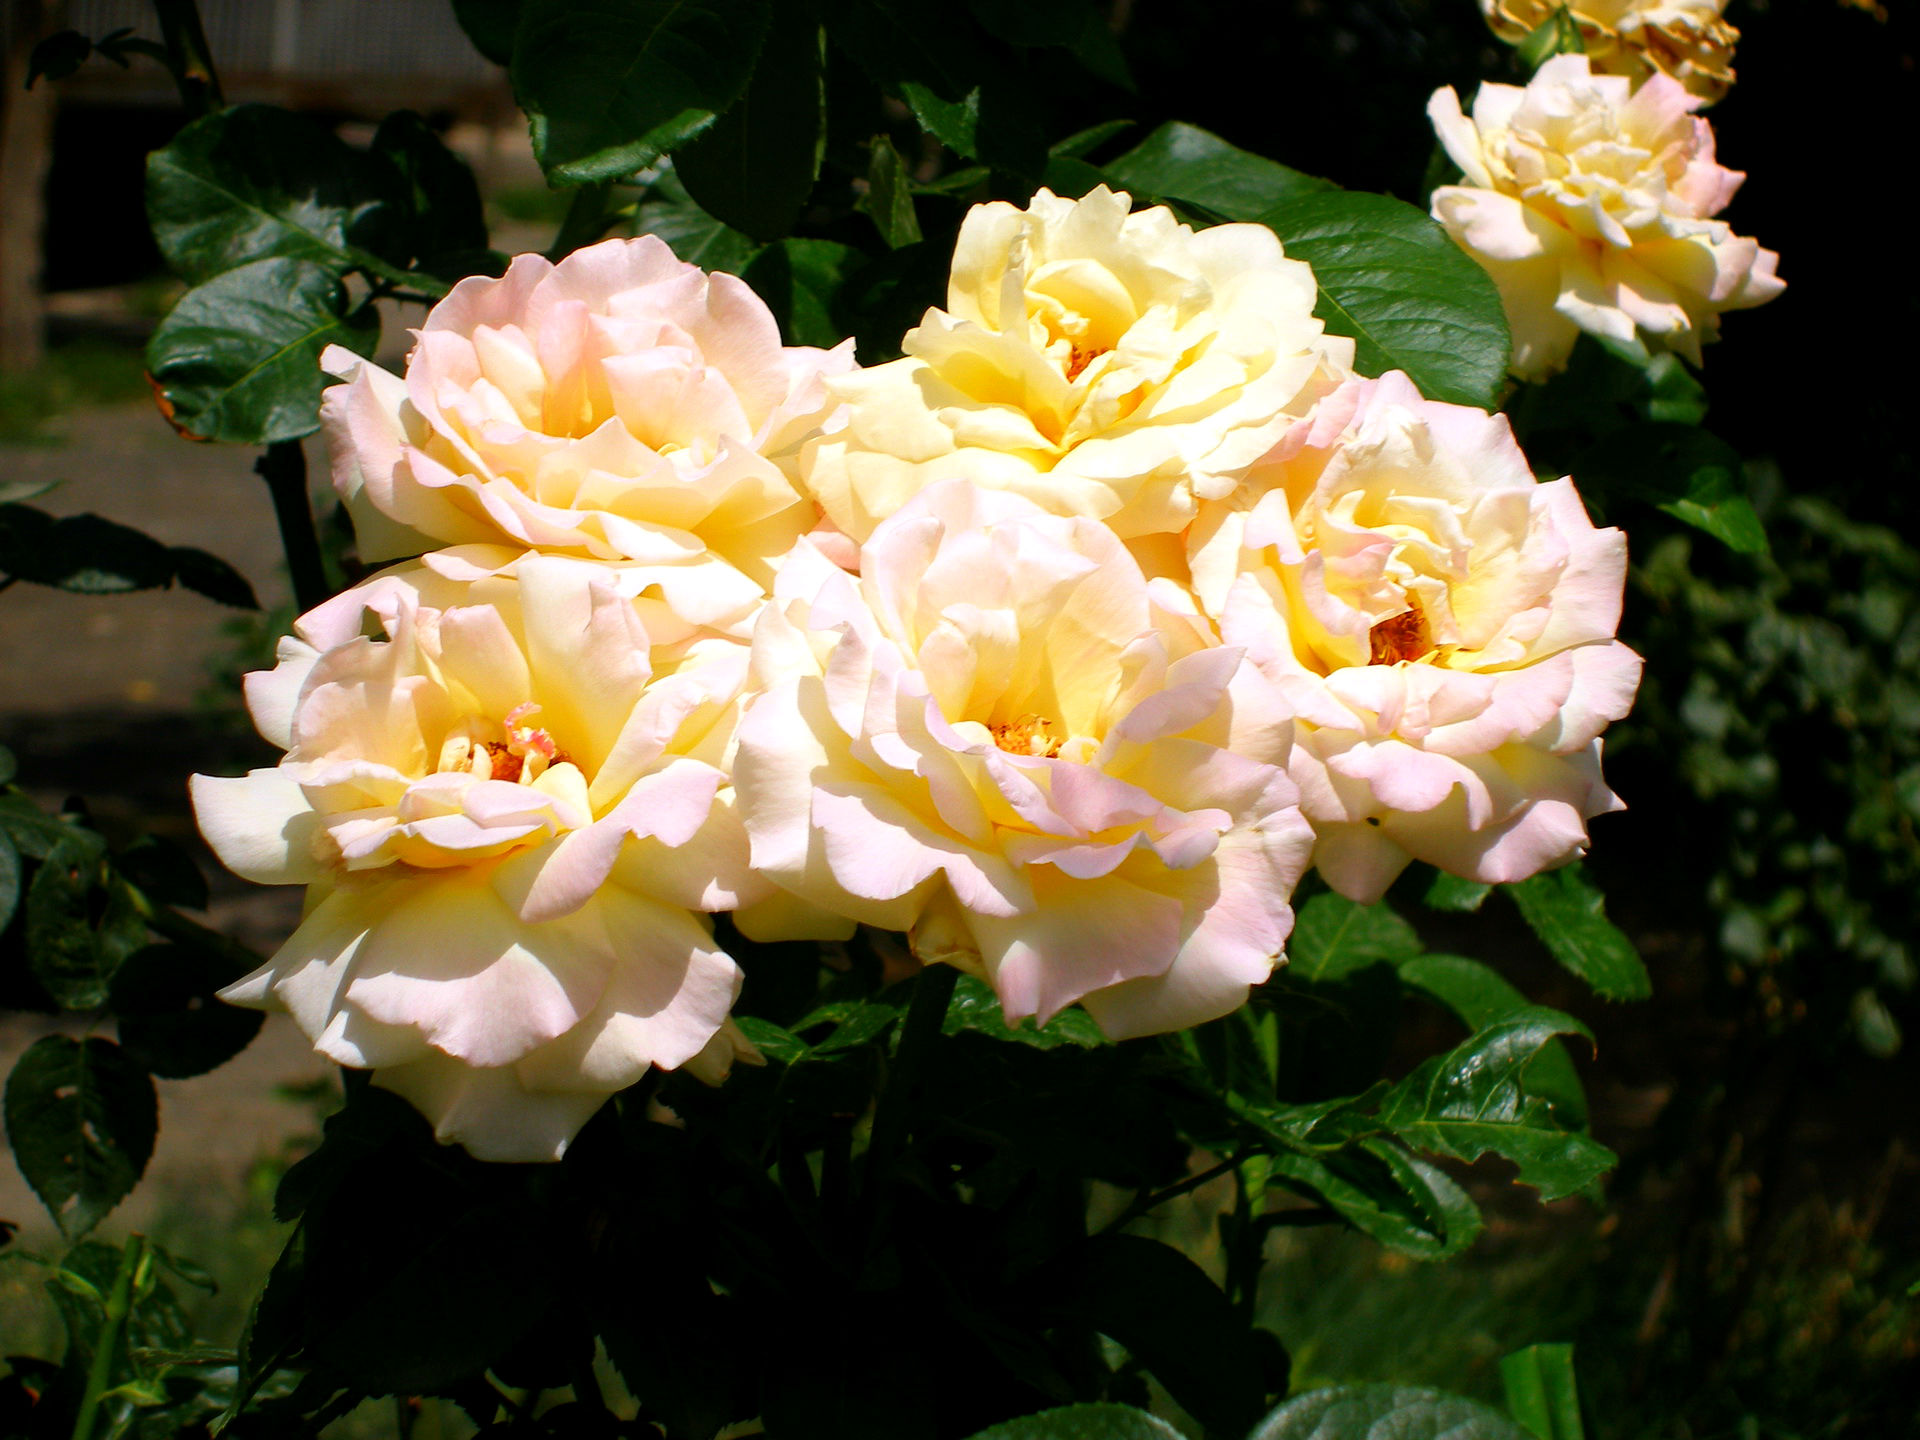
x=1405, y=636
x=509, y=749
x=1030, y=735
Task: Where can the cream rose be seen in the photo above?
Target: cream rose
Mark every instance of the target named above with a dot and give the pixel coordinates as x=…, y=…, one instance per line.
x=505, y=807
x=1004, y=740
x=1590, y=203
x=1441, y=625
x=621, y=405
x=1113, y=365
x=1687, y=39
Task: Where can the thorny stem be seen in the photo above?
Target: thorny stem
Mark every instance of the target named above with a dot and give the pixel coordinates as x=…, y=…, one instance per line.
x=188, y=57
x=284, y=468
x=134, y=1263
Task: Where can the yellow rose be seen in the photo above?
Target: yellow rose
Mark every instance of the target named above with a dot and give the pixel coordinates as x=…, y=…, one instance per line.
x=1687, y=39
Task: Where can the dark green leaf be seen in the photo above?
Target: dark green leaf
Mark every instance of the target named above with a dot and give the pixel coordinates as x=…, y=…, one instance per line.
x=9, y=766
x=992, y=123
x=58, y=56
x=1183, y=162
x=1395, y=1198
x=1033, y=22
x=889, y=197
x=9, y=880
x=612, y=85
x=855, y=1022
x=1683, y=470
x=778, y=1044
x=1084, y=1422
x=1451, y=893
x=893, y=43
x=1479, y=995
x=1385, y=1412
x=1073, y=178
x=490, y=24
x=1098, y=48
x=1471, y=1100
x=1569, y=914
x=81, y=1119
x=66, y=953
x=33, y=831
x=441, y=220
x=1334, y=936
x=802, y=282
x=168, y=1016
x=82, y=553
x=212, y=577
x=1083, y=143
x=239, y=357
x=755, y=166
x=1412, y=300
x=254, y=182
x=975, y=1007
x=164, y=871
x=694, y=235
x=1541, y=1391
x=1173, y=1320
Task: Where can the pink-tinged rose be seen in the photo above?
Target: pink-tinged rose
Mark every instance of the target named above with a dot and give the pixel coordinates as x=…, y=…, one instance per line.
x=621, y=405
x=1591, y=204
x=1004, y=740
x=1441, y=625
x=506, y=805
x=1100, y=363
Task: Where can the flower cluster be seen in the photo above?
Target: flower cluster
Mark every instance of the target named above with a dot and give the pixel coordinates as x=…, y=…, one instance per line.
x=1065, y=645
x=1687, y=39
x=1590, y=202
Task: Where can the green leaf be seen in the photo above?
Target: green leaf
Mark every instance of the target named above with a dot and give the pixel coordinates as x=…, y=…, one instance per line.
x=9, y=880
x=1541, y=1391
x=1479, y=995
x=1385, y=1412
x=1412, y=300
x=9, y=766
x=694, y=235
x=992, y=123
x=1681, y=469
x=1175, y=1321
x=81, y=1119
x=1183, y=162
x=802, y=282
x=1454, y=895
x=442, y=224
x=612, y=85
x=855, y=1022
x=777, y=1043
x=91, y=556
x=168, y=1017
x=65, y=952
x=490, y=24
x=212, y=577
x=1084, y=1422
x=1023, y=22
x=1083, y=143
x=1569, y=914
x=58, y=56
x=889, y=197
x=32, y=830
x=1558, y=34
x=1471, y=1100
x=1398, y=1199
x=1334, y=936
x=975, y=1007
x=755, y=166
x=239, y=358
x=254, y=182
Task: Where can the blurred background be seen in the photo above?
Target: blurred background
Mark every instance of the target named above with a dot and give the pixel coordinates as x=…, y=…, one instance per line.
x=1754, y=1270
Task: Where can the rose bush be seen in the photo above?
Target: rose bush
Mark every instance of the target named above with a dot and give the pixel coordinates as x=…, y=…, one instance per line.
x=1687, y=39
x=1591, y=202
x=621, y=405
x=1099, y=361
x=1441, y=627
x=1004, y=740
x=506, y=808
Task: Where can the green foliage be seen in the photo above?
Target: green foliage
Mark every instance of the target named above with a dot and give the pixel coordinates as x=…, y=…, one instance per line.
x=1192, y=167
x=92, y=556
x=1084, y=1422
x=1385, y=1412
x=1681, y=470
x=1568, y=913
x=1542, y=1391
x=81, y=1118
x=1412, y=300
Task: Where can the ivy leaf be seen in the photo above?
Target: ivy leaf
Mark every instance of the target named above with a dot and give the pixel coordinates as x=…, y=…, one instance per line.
x=1480, y=995
x=239, y=358
x=1175, y=1321
x=1412, y=300
x=612, y=85
x=1334, y=936
x=1183, y=162
x=802, y=282
x=253, y=182
x=1682, y=470
x=81, y=1118
x=1569, y=914
x=754, y=167
x=975, y=1007
x=1470, y=1101
x=1385, y=1412
x=1084, y=1422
